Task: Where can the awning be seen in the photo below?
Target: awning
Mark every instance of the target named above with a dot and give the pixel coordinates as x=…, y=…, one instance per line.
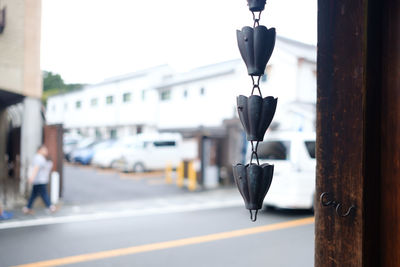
x=7, y=99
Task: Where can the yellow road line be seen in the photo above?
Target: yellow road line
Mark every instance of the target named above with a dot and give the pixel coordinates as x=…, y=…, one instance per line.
x=136, y=176
x=105, y=171
x=169, y=244
x=82, y=166
x=129, y=177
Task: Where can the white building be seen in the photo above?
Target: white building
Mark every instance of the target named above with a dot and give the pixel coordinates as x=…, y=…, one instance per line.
x=118, y=106
x=160, y=99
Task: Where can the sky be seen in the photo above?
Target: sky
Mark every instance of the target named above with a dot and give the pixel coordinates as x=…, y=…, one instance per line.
x=87, y=41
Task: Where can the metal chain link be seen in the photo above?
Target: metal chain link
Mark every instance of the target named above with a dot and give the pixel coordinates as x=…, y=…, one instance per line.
x=256, y=20
x=254, y=152
x=256, y=84
x=256, y=87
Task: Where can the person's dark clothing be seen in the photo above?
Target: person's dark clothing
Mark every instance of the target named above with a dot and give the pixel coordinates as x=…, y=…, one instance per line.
x=39, y=189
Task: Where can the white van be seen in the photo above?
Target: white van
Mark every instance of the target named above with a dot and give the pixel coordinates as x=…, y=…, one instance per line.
x=293, y=157
x=154, y=152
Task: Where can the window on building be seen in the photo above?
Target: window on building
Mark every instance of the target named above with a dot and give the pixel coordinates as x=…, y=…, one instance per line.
x=65, y=106
x=164, y=143
x=93, y=102
x=165, y=95
x=53, y=108
x=126, y=97
x=109, y=100
x=202, y=91
x=113, y=133
x=185, y=93
x=78, y=104
x=98, y=134
x=143, y=95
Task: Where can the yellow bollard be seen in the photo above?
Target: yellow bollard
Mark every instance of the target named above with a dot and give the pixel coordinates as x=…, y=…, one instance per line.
x=168, y=174
x=192, y=177
x=180, y=173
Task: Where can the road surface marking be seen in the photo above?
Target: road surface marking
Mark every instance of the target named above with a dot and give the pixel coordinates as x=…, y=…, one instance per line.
x=76, y=165
x=169, y=244
x=137, y=176
x=168, y=208
x=106, y=171
x=124, y=176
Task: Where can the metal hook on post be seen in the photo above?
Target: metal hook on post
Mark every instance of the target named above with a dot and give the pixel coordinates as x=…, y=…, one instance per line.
x=338, y=208
x=327, y=203
x=336, y=205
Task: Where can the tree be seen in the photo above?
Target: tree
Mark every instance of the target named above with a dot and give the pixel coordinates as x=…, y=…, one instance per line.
x=52, y=81
x=53, y=84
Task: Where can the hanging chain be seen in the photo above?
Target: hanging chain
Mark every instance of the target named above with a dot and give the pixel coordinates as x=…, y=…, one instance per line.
x=254, y=152
x=255, y=19
x=254, y=148
x=254, y=112
x=256, y=85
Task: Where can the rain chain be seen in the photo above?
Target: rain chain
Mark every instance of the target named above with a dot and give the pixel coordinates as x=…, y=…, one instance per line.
x=255, y=112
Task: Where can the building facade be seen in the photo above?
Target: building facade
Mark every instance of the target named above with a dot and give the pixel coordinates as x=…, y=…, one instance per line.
x=20, y=92
x=119, y=106
x=159, y=99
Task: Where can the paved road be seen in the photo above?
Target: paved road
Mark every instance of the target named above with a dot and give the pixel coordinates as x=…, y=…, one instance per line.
x=292, y=245
x=111, y=219
x=87, y=188
x=85, y=185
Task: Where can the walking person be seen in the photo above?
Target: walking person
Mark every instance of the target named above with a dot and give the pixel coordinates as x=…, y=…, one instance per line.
x=39, y=178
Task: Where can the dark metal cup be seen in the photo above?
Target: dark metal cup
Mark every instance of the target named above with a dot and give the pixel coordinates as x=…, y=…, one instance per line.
x=253, y=182
x=256, y=46
x=256, y=5
x=256, y=114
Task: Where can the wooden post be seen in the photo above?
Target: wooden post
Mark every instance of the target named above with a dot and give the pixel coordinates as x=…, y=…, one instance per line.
x=53, y=139
x=390, y=133
x=358, y=132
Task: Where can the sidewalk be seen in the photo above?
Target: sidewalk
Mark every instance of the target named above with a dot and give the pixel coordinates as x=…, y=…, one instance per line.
x=211, y=199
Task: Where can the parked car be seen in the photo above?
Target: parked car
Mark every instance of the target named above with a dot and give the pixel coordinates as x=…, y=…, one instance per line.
x=106, y=158
x=85, y=142
x=82, y=145
x=69, y=144
x=152, y=152
x=293, y=157
x=85, y=155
